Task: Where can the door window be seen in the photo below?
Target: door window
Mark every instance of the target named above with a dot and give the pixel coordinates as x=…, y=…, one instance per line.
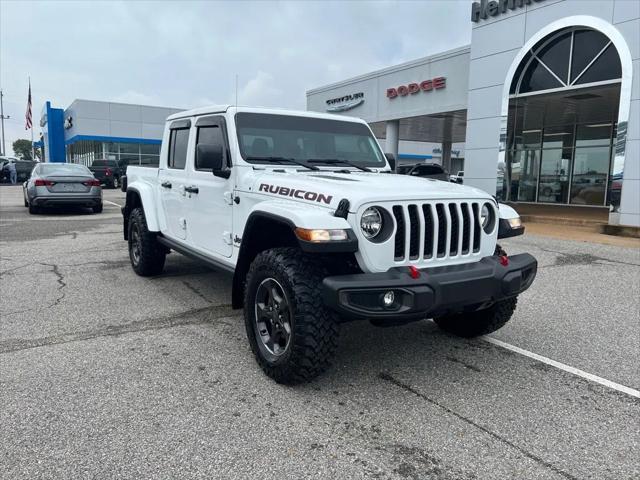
x=178, y=141
x=210, y=135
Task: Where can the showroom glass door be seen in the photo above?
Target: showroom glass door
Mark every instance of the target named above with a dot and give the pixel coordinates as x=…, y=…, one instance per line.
x=555, y=164
x=591, y=164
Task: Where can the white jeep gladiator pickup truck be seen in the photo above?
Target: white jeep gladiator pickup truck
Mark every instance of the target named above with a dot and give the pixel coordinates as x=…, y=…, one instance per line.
x=305, y=210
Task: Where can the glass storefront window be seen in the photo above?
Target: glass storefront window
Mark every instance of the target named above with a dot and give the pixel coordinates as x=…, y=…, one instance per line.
x=561, y=125
x=529, y=139
x=593, y=135
x=555, y=168
x=523, y=172
x=588, y=43
x=149, y=155
x=558, y=137
x=591, y=165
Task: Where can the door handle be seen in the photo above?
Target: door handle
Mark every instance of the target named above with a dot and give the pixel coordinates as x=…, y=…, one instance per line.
x=191, y=189
x=166, y=184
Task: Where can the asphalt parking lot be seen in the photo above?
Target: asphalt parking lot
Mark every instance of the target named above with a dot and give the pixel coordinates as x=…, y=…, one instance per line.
x=104, y=374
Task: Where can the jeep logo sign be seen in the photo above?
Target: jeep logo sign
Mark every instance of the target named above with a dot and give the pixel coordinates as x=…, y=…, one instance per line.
x=413, y=88
x=492, y=8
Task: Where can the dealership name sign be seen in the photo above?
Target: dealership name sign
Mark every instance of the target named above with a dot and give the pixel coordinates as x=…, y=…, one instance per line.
x=413, y=88
x=342, y=104
x=492, y=8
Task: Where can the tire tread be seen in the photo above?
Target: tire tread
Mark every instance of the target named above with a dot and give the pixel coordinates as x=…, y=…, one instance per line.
x=316, y=330
x=152, y=255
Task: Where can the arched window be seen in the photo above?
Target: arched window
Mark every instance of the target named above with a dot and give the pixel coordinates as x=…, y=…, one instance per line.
x=571, y=58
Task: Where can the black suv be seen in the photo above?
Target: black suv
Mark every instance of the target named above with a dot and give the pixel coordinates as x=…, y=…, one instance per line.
x=427, y=170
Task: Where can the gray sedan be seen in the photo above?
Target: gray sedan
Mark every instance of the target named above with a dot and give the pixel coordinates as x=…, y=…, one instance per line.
x=57, y=184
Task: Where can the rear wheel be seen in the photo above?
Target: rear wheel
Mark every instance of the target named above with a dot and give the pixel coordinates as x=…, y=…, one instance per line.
x=145, y=252
x=26, y=204
x=481, y=322
x=33, y=209
x=97, y=209
x=292, y=334
x=116, y=182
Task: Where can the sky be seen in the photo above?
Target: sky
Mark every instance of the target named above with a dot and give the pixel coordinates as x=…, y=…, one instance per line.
x=186, y=54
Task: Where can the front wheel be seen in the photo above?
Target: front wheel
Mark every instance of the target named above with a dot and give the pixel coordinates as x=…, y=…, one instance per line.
x=481, y=322
x=292, y=334
x=145, y=252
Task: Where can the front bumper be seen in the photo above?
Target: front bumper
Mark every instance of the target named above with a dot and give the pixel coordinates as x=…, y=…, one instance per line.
x=437, y=291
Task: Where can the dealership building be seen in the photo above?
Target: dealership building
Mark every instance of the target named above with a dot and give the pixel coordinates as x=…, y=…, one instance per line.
x=542, y=108
x=88, y=130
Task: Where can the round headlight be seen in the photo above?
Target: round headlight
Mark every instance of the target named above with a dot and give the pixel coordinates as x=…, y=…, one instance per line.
x=484, y=215
x=371, y=222
x=487, y=218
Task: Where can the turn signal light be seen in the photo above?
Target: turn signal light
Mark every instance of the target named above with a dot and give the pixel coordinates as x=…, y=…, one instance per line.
x=321, y=235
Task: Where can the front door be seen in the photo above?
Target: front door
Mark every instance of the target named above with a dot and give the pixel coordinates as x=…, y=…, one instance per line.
x=173, y=179
x=209, y=215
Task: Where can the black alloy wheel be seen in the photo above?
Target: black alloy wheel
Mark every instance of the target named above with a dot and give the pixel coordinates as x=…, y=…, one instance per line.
x=272, y=317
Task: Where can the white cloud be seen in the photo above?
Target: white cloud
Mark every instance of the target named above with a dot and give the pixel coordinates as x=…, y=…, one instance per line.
x=186, y=54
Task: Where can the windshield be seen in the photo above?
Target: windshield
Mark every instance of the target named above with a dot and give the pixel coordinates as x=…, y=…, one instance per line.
x=265, y=136
x=64, y=169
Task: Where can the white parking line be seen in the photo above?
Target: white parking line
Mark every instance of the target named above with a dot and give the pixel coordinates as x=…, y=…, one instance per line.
x=111, y=203
x=575, y=371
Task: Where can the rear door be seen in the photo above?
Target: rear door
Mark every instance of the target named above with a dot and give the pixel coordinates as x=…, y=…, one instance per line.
x=172, y=177
x=210, y=219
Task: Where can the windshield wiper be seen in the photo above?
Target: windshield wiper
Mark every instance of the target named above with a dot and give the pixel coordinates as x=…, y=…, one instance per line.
x=282, y=160
x=336, y=161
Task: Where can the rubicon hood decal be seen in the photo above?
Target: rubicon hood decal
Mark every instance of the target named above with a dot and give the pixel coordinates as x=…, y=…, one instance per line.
x=295, y=193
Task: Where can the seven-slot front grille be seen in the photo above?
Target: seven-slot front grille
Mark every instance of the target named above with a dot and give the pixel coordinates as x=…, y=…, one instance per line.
x=437, y=230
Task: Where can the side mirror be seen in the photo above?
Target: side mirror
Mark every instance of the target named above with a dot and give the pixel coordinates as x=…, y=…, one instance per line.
x=210, y=157
x=392, y=161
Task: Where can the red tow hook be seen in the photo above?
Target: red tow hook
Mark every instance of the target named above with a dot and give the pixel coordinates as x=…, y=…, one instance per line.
x=414, y=272
x=504, y=260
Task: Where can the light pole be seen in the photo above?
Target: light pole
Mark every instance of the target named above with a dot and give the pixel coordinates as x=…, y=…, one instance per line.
x=2, y=117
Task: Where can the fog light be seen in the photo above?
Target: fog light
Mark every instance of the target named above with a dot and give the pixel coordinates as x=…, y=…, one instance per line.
x=515, y=222
x=388, y=298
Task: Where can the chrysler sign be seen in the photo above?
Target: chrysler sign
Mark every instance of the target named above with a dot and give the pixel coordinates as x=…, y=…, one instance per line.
x=342, y=104
x=492, y=8
x=413, y=88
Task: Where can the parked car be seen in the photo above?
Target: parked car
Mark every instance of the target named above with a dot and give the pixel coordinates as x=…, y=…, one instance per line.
x=109, y=172
x=457, y=178
x=426, y=170
x=23, y=168
x=55, y=184
x=317, y=233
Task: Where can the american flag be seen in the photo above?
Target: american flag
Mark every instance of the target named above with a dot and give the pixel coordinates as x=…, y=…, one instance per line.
x=29, y=123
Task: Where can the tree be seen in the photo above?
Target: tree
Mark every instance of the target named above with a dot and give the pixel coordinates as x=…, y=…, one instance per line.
x=22, y=148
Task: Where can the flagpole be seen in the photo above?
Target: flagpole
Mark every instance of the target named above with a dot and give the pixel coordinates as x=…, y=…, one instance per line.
x=33, y=148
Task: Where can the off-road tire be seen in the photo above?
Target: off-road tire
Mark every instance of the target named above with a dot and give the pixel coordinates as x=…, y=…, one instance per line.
x=314, y=329
x=481, y=322
x=97, y=209
x=151, y=255
x=33, y=210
